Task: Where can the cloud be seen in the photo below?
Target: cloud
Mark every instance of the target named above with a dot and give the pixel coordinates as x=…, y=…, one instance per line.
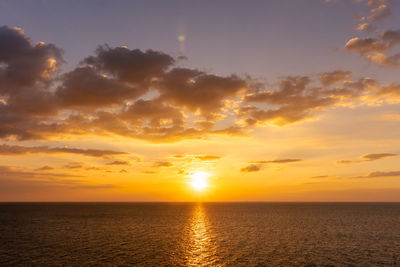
x=162, y=164
x=367, y=27
x=377, y=10
x=277, y=161
x=320, y=177
x=19, y=173
x=379, y=13
x=131, y=66
x=384, y=60
x=26, y=72
x=118, y=162
x=150, y=172
x=154, y=117
x=347, y=161
x=74, y=165
x=378, y=174
x=251, y=168
x=21, y=150
x=24, y=64
x=97, y=186
x=199, y=91
x=366, y=45
x=391, y=91
x=297, y=98
x=370, y=157
x=144, y=95
x=92, y=168
x=373, y=49
x=85, y=87
x=207, y=157
x=45, y=168
x=294, y=99
x=329, y=78
x=391, y=36
x=374, y=3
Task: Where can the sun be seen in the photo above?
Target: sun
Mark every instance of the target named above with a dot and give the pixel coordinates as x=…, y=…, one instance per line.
x=199, y=180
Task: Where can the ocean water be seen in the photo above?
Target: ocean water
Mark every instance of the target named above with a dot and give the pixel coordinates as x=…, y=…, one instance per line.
x=200, y=234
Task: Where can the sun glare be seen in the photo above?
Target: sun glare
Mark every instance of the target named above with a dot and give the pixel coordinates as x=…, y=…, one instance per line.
x=199, y=180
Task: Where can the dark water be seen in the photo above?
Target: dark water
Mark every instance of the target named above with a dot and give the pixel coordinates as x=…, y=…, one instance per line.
x=166, y=234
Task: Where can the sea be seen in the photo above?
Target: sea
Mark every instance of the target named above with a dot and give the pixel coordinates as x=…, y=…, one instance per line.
x=199, y=234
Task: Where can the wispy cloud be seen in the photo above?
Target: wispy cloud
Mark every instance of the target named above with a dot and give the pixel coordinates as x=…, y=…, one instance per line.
x=162, y=164
x=208, y=157
x=277, y=161
x=368, y=157
x=251, y=168
x=379, y=174
x=22, y=150
x=118, y=162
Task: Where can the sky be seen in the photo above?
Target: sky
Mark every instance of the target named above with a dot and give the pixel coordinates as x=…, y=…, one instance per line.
x=277, y=100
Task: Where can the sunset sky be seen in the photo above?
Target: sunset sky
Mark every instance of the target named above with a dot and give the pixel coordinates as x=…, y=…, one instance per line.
x=269, y=100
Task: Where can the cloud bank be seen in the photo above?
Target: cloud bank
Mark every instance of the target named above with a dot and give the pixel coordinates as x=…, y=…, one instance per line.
x=146, y=95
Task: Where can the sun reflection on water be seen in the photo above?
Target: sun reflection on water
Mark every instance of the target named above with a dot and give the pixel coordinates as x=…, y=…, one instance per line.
x=202, y=250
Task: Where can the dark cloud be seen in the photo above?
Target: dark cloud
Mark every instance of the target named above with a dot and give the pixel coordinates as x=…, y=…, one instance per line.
x=392, y=37
x=199, y=91
x=251, y=168
x=295, y=100
x=329, y=78
x=132, y=66
x=26, y=73
x=24, y=64
x=20, y=150
x=85, y=87
x=155, y=114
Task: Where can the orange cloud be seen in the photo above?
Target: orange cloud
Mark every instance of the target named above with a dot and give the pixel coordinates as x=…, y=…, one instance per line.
x=162, y=164
x=208, y=157
x=251, y=168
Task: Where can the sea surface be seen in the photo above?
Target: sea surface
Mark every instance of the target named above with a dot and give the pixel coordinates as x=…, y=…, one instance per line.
x=200, y=234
